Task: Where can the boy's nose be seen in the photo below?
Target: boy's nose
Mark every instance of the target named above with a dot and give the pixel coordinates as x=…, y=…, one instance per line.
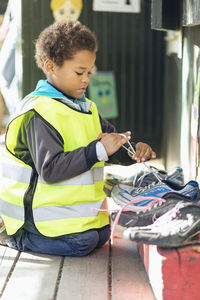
x=86, y=79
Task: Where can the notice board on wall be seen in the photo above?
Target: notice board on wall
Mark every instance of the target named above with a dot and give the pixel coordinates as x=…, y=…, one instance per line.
x=128, y=6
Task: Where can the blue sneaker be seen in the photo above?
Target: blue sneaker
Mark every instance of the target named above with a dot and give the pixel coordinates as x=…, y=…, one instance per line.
x=111, y=180
x=123, y=194
x=143, y=178
x=175, y=176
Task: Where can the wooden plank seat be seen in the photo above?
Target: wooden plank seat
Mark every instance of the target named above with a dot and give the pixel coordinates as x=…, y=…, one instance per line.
x=111, y=272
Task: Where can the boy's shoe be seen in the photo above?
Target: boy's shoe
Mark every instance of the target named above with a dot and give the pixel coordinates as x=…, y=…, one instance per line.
x=123, y=194
x=112, y=180
x=150, y=213
x=176, y=176
x=178, y=227
x=143, y=178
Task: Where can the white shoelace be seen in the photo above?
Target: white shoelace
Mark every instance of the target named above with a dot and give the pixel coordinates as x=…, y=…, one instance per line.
x=132, y=151
x=143, y=189
x=170, y=215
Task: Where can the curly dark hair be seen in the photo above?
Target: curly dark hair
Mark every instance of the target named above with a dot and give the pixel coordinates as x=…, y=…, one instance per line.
x=61, y=40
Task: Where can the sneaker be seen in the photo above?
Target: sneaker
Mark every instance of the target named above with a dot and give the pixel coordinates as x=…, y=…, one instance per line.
x=123, y=194
x=143, y=178
x=151, y=212
x=112, y=180
x=176, y=176
x=178, y=227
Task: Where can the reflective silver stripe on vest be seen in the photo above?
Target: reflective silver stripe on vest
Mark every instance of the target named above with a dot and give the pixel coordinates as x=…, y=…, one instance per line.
x=47, y=213
x=11, y=210
x=16, y=172
x=86, y=178
x=23, y=174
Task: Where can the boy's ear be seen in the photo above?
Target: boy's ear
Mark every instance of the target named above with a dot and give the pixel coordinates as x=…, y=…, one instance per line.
x=49, y=66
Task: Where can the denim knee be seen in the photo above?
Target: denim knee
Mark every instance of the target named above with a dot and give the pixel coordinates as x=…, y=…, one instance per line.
x=104, y=235
x=70, y=245
x=84, y=243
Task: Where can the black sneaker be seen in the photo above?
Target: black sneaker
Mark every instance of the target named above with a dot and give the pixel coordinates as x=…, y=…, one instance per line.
x=151, y=213
x=178, y=227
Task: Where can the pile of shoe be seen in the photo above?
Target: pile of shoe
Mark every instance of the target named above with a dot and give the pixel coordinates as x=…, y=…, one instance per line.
x=142, y=178
x=176, y=228
x=163, y=212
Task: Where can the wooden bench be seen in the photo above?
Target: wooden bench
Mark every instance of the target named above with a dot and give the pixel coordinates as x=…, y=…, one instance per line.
x=112, y=272
x=173, y=273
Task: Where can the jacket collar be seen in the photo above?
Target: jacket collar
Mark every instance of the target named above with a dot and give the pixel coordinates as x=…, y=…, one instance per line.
x=44, y=88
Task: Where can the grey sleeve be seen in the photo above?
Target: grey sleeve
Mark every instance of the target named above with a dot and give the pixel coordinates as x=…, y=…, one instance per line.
x=50, y=160
x=107, y=126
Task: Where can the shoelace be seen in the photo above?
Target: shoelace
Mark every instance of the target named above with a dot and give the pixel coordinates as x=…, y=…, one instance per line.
x=143, y=189
x=171, y=214
x=155, y=201
x=141, y=178
x=132, y=151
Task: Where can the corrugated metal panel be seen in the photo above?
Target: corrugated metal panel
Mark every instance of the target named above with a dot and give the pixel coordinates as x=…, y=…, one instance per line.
x=135, y=53
x=127, y=46
x=36, y=15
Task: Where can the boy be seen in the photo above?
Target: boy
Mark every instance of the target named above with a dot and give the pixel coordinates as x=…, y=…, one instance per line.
x=56, y=149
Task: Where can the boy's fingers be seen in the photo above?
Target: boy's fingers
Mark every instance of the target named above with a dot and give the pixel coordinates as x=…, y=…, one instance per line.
x=124, y=140
x=101, y=135
x=126, y=136
x=153, y=154
x=144, y=152
x=127, y=133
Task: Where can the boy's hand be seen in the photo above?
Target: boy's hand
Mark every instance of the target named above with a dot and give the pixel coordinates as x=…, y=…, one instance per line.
x=143, y=152
x=113, y=141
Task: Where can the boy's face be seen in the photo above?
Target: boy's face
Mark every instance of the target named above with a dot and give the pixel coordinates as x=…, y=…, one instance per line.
x=73, y=77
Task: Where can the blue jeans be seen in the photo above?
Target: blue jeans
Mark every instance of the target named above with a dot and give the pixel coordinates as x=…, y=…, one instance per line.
x=79, y=244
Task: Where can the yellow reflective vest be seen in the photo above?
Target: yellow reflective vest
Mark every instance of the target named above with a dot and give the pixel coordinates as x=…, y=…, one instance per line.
x=63, y=207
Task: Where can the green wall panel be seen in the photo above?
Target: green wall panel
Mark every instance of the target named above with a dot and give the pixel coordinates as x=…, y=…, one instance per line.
x=128, y=47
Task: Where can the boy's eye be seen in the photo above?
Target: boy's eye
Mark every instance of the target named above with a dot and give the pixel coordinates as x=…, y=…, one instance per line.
x=80, y=74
